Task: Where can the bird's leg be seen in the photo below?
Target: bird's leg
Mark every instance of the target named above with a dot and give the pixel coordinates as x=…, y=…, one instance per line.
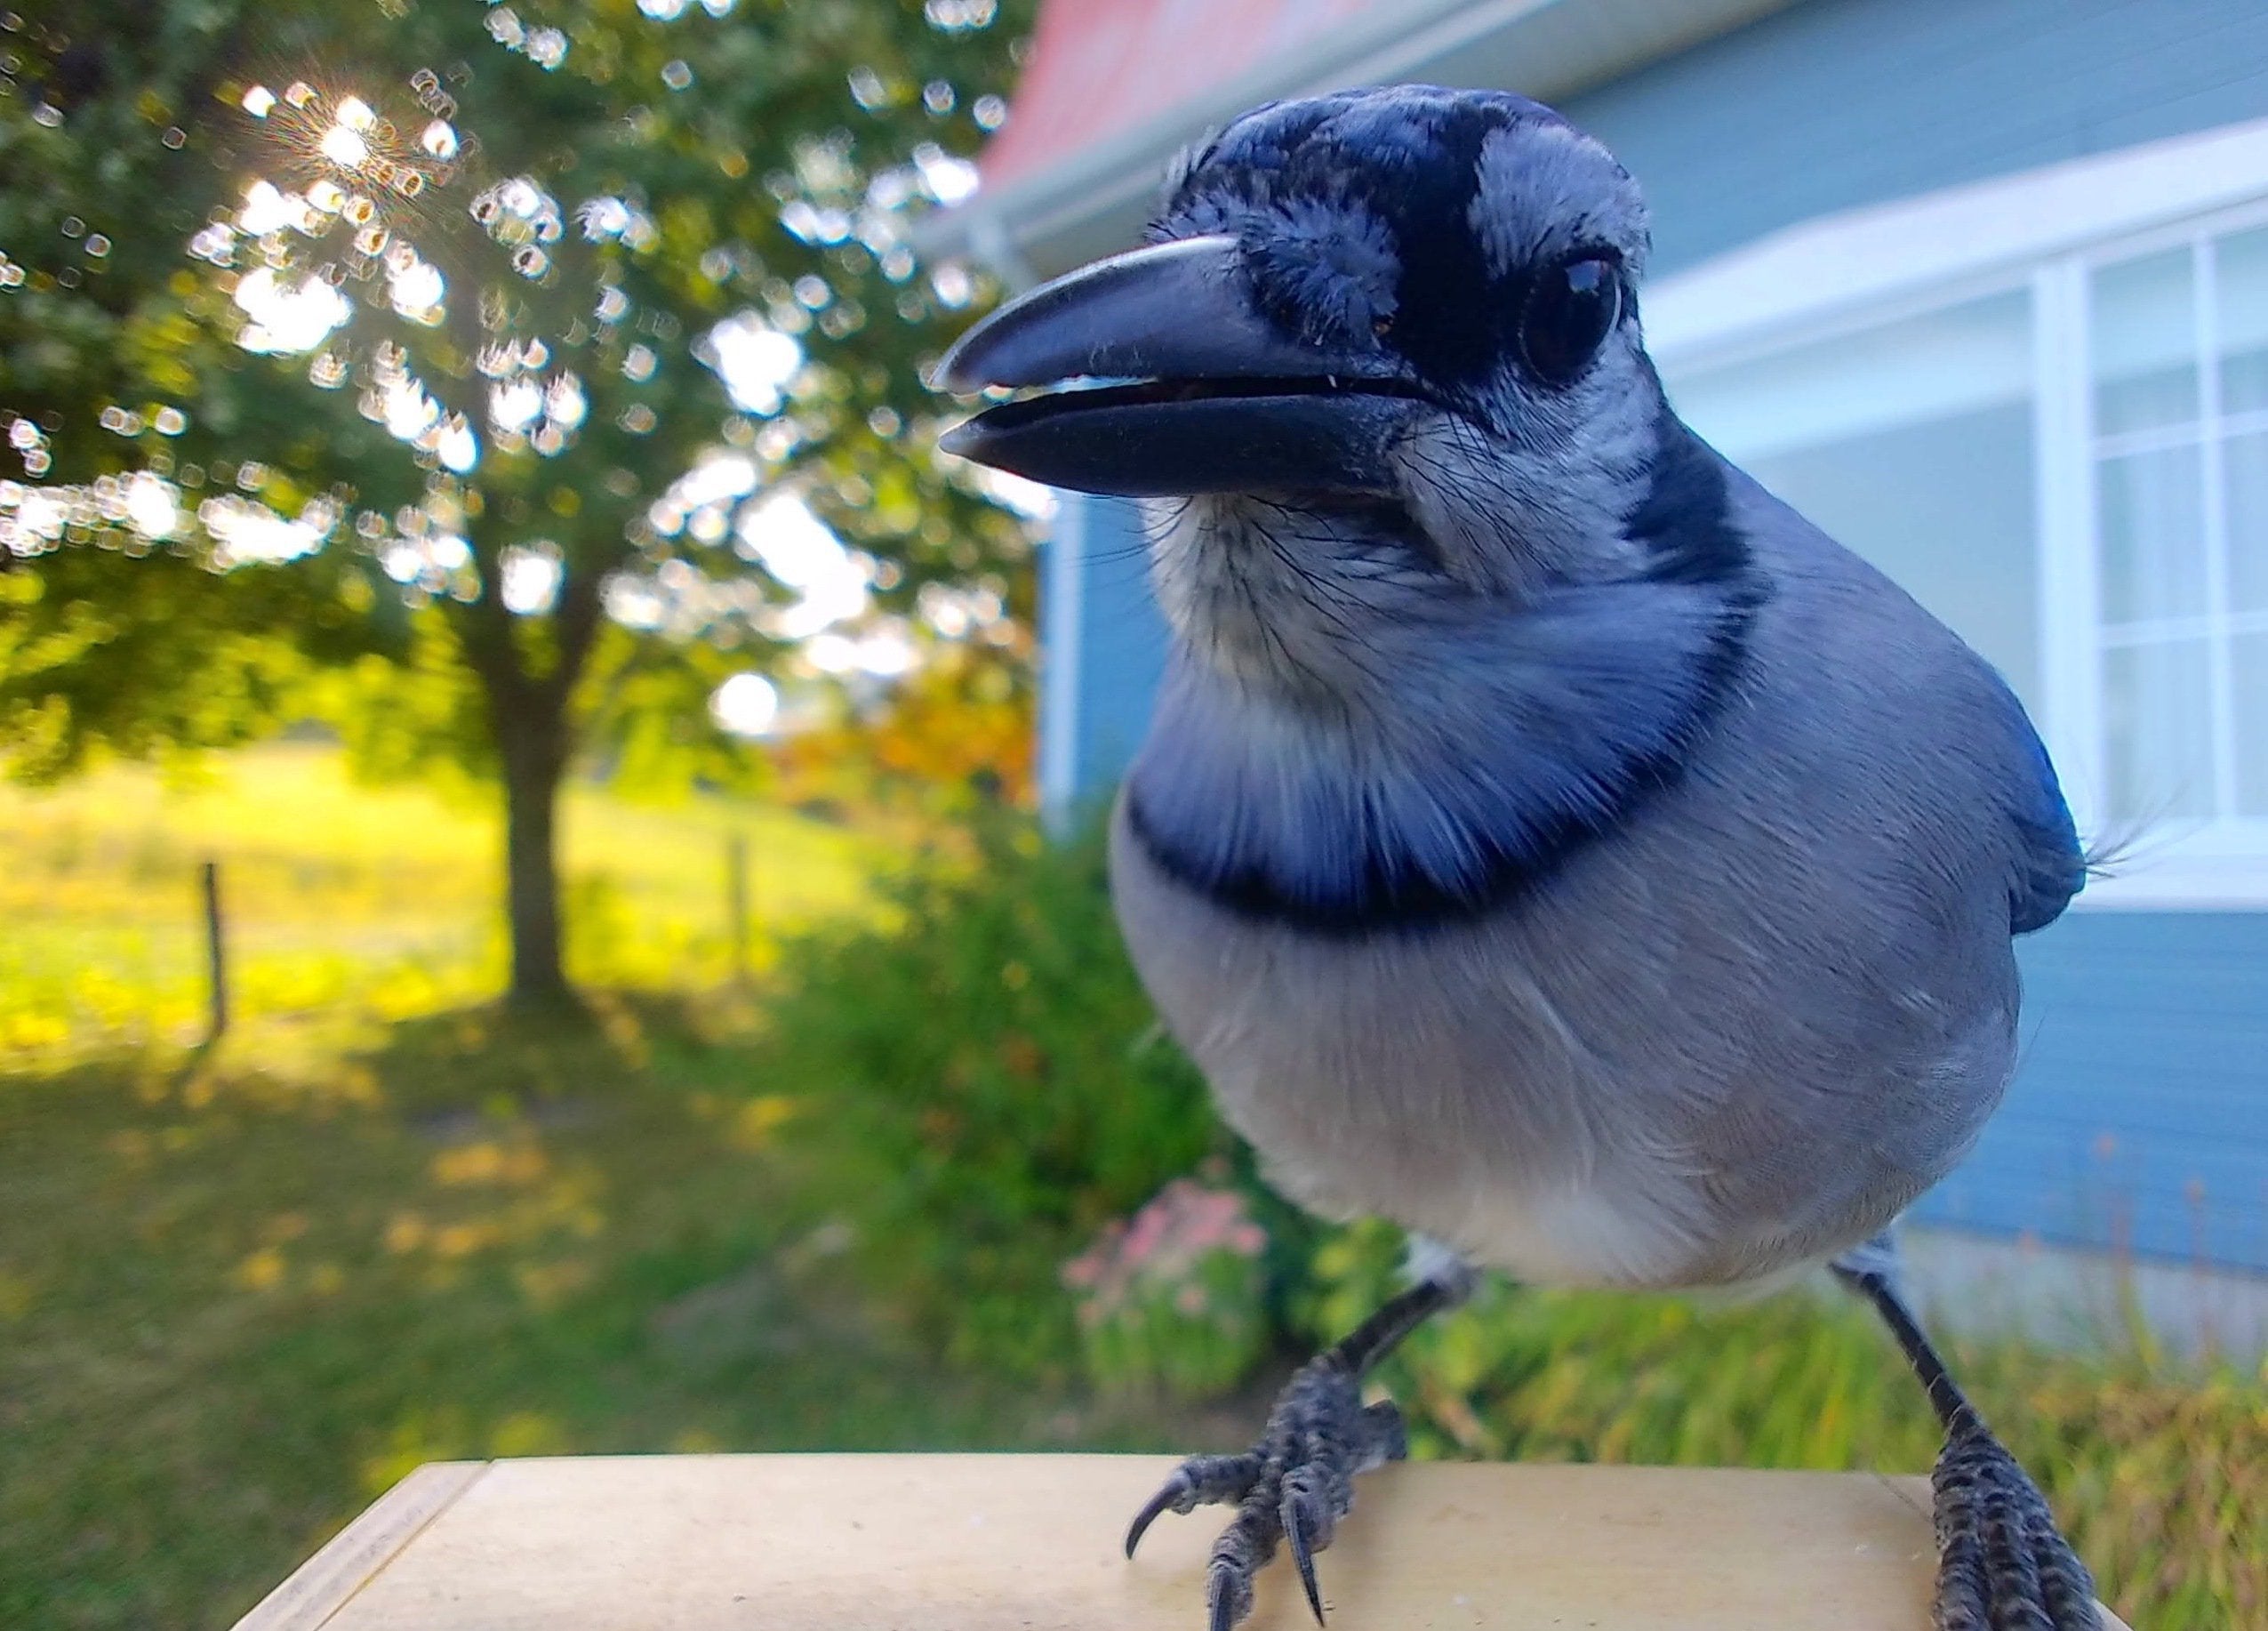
x=1298, y=1480
x=2001, y=1563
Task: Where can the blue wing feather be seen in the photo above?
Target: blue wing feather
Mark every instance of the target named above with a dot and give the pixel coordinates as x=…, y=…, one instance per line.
x=2052, y=865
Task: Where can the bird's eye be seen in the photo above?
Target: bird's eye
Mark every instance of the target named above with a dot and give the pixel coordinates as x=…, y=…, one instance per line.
x=1570, y=310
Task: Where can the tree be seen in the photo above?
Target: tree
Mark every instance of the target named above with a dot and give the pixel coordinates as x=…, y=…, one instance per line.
x=512, y=361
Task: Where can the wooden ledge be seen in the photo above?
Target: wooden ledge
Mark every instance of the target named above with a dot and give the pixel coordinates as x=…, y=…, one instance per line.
x=1030, y=1543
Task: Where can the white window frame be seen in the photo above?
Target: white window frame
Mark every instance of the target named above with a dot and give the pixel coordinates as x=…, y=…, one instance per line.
x=2044, y=232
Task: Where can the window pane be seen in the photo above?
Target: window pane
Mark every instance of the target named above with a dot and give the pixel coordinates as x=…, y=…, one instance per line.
x=2240, y=273
x=2247, y=462
x=2145, y=343
x=1910, y=444
x=2151, y=522
x=2157, y=724
x=2248, y=677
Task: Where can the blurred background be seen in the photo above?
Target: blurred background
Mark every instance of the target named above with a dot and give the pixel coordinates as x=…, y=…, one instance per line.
x=548, y=893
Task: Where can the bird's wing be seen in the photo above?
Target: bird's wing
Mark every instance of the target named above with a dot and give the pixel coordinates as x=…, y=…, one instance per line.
x=2052, y=866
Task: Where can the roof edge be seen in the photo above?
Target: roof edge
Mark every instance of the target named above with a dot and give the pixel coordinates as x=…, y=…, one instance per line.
x=1562, y=47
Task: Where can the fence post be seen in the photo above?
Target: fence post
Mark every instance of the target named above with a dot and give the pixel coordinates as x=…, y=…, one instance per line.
x=736, y=892
x=216, y=954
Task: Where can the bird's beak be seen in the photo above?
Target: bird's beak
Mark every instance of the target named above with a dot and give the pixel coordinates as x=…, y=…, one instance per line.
x=1221, y=402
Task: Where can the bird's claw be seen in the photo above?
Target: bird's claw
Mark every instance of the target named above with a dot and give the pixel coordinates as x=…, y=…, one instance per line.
x=2002, y=1565
x=1198, y=1481
x=1294, y=1485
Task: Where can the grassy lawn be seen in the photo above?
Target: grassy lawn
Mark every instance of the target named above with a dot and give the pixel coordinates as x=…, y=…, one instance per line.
x=236, y=1301
x=383, y=900
x=240, y=1295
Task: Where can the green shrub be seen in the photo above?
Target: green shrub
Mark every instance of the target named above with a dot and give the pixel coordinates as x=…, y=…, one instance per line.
x=983, y=1076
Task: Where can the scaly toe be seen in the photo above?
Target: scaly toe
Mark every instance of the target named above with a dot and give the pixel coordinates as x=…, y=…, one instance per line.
x=2002, y=1565
x=1294, y=1485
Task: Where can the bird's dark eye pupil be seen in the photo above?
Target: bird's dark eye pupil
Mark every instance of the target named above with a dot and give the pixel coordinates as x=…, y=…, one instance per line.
x=1571, y=309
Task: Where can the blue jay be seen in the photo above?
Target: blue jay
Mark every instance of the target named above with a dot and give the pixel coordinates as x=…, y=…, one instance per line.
x=1546, y=839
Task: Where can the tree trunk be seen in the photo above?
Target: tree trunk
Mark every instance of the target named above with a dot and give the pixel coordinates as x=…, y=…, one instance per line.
x=535, y=762
x=528, y=715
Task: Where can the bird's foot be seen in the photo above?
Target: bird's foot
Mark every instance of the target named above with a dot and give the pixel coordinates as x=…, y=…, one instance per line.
x=2001, y=1563
x=1294, y=1485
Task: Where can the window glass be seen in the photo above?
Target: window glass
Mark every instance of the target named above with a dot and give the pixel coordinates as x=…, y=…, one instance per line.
x=2150, y=520
x=2240, y=277
x=2245, y=462
x=2145, y=343
x=2248, y=693
x=1910, y=444
x=2157, y=731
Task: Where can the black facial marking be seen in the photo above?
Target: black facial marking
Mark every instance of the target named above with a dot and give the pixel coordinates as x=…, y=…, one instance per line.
x=1410, y=161
x=1685, y=519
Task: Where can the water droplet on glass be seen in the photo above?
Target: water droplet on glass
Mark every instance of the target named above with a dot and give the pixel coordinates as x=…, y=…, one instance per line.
x=530, y=261
x=259, y=101
x=301, y=94
x=98, y=245
x=175, y=138
x=439, y=139
x=677, y=74
x=73, y=226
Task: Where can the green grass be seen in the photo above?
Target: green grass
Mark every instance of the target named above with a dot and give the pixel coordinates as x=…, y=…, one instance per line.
x=382, y=900
x=238, y=1300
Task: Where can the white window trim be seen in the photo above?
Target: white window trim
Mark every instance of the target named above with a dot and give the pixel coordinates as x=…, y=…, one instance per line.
x=2041, y=229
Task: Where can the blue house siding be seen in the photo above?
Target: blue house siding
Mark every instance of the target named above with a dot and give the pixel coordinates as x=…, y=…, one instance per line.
x=1098, y=616
x=1839, y=103
x=2139, y=1117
